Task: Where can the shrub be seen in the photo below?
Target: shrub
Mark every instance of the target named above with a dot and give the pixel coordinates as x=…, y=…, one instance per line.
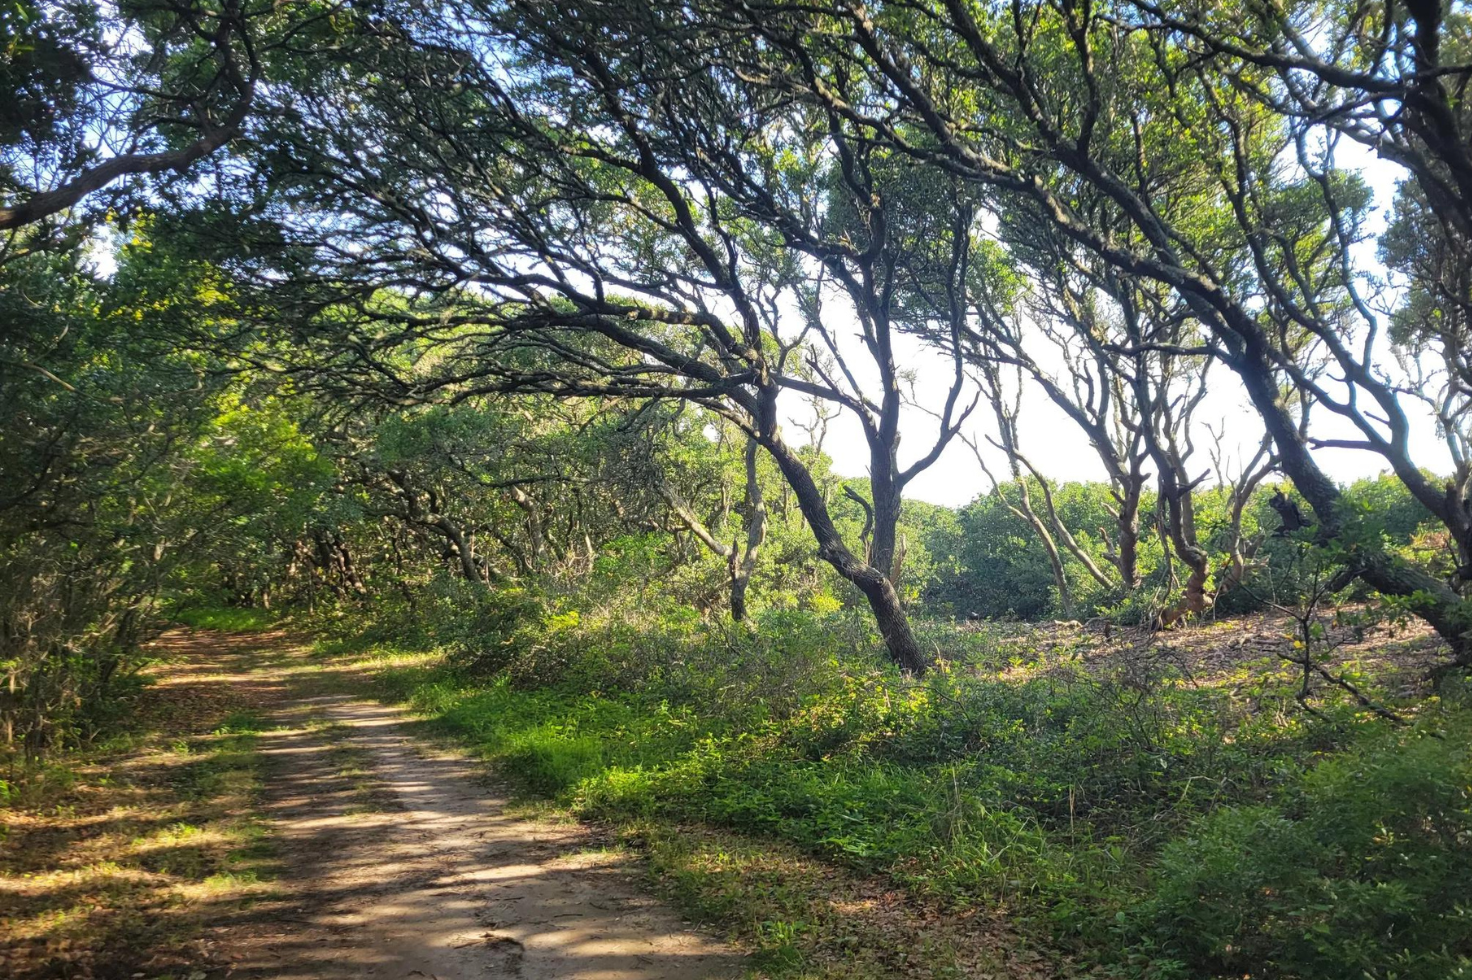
x=1365, y=872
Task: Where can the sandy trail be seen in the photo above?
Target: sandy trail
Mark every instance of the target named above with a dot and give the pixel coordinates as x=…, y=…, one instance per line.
x=402, y=861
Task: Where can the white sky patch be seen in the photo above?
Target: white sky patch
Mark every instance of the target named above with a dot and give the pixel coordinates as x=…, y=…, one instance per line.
x=1060, y=449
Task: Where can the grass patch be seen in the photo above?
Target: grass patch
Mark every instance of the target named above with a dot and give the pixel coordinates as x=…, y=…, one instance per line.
x=805, y=919
x=226, y=619
x=115, y=862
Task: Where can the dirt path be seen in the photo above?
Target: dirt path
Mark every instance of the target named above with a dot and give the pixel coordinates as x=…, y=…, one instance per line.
x=402, y=861
x=260, y=822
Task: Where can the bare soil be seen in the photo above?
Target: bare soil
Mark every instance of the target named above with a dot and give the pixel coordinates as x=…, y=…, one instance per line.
x=398, y=860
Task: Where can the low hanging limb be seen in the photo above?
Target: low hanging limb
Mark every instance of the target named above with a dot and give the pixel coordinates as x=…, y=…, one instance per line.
x=1311, y=667
x=1305, y=619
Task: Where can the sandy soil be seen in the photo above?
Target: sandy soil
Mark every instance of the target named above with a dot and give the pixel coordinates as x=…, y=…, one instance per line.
x=399, y=860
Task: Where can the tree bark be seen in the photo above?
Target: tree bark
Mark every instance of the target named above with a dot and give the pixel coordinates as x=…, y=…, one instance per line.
x=886, y=521
x=1181, y=529
x=744, y=564
x=883, y=600
x=462, y=547
x=740, y=562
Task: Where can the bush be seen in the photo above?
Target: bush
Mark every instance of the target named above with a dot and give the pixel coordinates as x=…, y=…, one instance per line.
x=1366, y=872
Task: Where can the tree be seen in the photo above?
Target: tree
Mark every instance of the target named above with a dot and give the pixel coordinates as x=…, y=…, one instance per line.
x=1167, y=168
x=592, y=226
x=94, y=94
x=107, y=495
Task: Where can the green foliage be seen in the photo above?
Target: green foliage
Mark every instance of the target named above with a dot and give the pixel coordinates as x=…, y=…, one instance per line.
x=1121, y=808
x=1385, y=508
x=93, y=501
x=42, y=66
x=1360, y=870
x=1001, y=570
x=991, y=563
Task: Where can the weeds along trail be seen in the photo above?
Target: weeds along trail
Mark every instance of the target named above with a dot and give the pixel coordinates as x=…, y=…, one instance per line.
x=137, y=856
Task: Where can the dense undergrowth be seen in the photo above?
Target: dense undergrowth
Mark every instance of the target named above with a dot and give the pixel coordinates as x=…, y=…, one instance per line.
x=1159, y=826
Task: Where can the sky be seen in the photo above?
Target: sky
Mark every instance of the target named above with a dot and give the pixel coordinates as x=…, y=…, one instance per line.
x=1061, y=451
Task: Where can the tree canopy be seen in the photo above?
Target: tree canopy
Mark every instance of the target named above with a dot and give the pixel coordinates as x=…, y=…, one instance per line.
x=511, y=281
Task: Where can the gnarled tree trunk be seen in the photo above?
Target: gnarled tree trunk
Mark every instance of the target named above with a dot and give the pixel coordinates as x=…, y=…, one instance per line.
x=884, y=601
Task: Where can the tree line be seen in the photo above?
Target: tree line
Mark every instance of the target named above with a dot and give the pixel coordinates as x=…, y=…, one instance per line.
x=495, y=285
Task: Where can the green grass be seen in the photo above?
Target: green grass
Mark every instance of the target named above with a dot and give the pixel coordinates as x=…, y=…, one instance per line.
x=226, y=619
x=1074, y=801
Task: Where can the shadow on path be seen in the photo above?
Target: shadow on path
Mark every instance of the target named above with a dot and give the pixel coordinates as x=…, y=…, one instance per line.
x=398, y=861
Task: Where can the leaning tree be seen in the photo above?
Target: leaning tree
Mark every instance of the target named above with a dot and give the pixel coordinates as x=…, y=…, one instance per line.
x=583, y=202
x=1194, y=166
